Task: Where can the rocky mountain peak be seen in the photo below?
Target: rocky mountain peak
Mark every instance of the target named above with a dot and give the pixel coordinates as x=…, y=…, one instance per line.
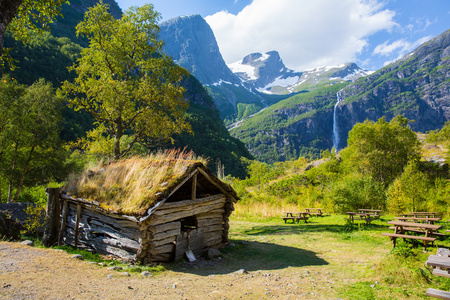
x=192, y=44
x=262, y=71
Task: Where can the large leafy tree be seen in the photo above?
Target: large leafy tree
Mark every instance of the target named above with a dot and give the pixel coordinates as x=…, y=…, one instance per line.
x=125, y=81
x=381, y=149
x=25, y=16
x=30, y=149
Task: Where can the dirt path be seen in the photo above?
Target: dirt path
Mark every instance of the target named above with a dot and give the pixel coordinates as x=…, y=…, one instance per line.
x=34, y=273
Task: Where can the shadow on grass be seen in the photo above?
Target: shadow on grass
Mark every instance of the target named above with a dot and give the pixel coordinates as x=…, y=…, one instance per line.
x=251, y=256
x=311, y=227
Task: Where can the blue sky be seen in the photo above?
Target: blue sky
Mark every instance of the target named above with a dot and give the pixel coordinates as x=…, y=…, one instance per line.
x=309, y=33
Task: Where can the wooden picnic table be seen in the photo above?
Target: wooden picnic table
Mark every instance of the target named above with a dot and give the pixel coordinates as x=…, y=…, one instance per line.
x=401, y=227
x=423, y=214
x=314, y=211
x=420, y=219
x=375, y=213
x=296, y=216
x=359, y=216
x=441, y=264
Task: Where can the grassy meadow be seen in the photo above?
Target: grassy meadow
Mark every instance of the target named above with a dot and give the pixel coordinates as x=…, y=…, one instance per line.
x=342, y=260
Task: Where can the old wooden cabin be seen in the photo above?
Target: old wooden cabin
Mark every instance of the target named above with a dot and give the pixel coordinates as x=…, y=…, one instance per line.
x=147, y=209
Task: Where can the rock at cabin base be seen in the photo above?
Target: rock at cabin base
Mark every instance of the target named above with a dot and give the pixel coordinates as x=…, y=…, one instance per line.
x=212, y=253
x=27, y=243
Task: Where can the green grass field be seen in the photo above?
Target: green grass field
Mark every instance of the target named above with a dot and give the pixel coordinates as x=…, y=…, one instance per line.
x=355, y=260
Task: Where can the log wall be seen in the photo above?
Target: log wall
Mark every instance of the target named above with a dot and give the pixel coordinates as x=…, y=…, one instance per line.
x=165, y=239
x=160, y=238
x=100, y=233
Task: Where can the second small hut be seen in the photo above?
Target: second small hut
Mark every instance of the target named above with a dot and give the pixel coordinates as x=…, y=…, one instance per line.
x=153, y=209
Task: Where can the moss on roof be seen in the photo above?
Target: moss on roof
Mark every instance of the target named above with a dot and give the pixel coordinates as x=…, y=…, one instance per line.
x=131, y=186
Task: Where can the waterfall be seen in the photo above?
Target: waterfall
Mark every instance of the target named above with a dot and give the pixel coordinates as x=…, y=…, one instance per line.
x=335, y=122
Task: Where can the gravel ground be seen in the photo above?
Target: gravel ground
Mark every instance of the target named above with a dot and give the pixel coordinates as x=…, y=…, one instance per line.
x=33, y=273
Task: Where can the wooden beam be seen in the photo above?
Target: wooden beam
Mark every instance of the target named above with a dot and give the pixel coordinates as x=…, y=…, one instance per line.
x=77, y=223
x=215, y=183
x=63, y=221
x=194, y=187
x=151, y=210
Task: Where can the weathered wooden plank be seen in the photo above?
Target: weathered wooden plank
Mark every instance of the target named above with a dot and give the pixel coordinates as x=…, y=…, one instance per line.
x=94, y=242
x=161, y=257
x=63, y=221
x=157, y=205
x=165, y=234
x=158, y=243
x=53, y=217
x=218, y=213
x=215, y=243
x=164, y=227
x=217, y=227
x=163, y=249
x=160, y=219
x=188, y=205
x=130, y=233
x=209, y=222
x=112, y=220
x=77, y=222
x=212, y=235
x=89, y=230
x=195, y=243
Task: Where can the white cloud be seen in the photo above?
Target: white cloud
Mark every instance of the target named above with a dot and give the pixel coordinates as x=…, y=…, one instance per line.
x=306, y=33
x=398, y=48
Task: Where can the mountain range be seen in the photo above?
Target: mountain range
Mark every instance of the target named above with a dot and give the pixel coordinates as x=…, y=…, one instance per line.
x=245, y=87
x=278, y=113
x=281, y=114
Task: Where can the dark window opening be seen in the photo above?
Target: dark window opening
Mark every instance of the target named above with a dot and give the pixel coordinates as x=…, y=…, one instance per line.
x=188, y=223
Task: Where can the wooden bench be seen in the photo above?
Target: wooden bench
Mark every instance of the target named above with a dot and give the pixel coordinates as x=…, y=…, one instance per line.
x=373, y=213
x=438, y=294
x=441, y=263
x=360, y=216
x=394, y=237
x=412, y=229
x=314, y=212
x=420, y=219
x=400, y=227
x=295, y=217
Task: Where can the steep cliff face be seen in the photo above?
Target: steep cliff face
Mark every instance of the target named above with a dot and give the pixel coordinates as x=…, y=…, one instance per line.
x=417, y=86
x=293, y=127
x=191, y=43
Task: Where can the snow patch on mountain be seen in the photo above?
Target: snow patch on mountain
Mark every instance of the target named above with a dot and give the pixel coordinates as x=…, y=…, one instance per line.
x=240, y=69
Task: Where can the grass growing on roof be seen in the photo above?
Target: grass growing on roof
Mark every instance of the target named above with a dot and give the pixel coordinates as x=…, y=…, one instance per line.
x=130, y=186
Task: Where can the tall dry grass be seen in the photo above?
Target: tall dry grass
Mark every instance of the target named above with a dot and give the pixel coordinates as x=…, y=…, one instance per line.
x=262, y=210
x=131, y=185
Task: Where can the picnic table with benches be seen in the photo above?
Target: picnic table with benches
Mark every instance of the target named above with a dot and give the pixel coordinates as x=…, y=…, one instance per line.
x=421, y=214
x=441, y=264
x=419, y=219
x=296, y=216
x=359, y=216
x=314, y=212
x=374, y=213
x=401, y=228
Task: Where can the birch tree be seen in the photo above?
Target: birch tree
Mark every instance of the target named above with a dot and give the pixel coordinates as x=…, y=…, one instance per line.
x=125, y=81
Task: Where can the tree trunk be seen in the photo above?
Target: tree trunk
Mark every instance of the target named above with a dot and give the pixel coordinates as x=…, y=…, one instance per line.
x=53, y=217
x=25, y=171
x=8, y=10
x=117, y=138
